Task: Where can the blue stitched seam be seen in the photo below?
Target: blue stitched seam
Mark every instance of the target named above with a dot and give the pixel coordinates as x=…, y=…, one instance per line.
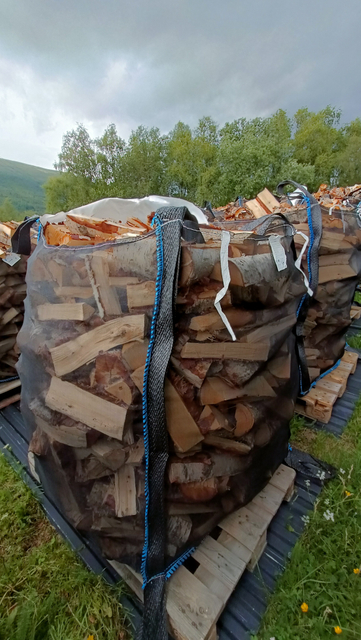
x=158, y=290
x=320, y=377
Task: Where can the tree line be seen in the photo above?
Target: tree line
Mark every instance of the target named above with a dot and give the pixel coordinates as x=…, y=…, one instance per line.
x=208, y=163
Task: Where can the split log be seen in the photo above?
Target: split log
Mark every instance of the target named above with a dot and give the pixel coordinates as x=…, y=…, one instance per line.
x=227, y=350
x=225, y=444
x=73, y=436
x=267, y=200
x=181, y=426
x=125, y=492
x=120, y=390
x=212, y=321
x=140, y=295
x=73, y=354
x=108, y=296
x=178, y=529
x=194, y=371
x=75, y=311
x=110, y=452
x=212, y=419
x=135, y=453
x=81, y=406
x=135, y=353
x=197, y=262
x=204, y=466
x=91, y=469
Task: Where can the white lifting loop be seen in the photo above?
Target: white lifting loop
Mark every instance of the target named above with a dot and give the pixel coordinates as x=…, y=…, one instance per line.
x=225, y=239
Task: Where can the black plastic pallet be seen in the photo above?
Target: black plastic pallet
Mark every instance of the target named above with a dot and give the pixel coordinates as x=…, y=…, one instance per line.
x=245, y=608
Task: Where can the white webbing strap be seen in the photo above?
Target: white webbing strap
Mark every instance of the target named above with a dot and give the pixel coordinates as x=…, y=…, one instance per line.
x=299, y=259
x=225, y=239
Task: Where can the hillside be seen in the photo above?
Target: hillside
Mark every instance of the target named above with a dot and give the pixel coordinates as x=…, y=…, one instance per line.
x=22, y=183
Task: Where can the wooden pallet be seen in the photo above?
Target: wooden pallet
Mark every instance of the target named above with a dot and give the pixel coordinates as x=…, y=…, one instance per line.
x=196, y=600
x=5, y=387
x=355, y=312
x=318, y=403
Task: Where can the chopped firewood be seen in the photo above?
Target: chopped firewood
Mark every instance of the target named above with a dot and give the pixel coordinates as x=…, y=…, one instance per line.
x=280, y=367
x=212, y=321
x=256, y=208
x=125, y=492
x=178, y=529
x=81, y=406
x=244, y=419
x=335, y=272
x=73, y=354
x=136, y=453
x=227, y=350
x=120, y=390
x=138, y=376
x=75, y=311
x=135, y=353
x=203, y=466
x=197, y=262
x=83, y=293
x=251, y=270
x=73, y=436
x=108, y=295
x=110, y=452
x=91, y=469
x=122, y=281
x=181, y=427
x=140, y=295
x=267, y=200
x=226, y=444
x=192, y=370
x=212, y=420
x=39, y=442
x=200, y=491
x=8, y=386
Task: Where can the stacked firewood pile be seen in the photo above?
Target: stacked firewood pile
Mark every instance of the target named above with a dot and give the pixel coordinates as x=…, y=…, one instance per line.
x=12, y=294
x=228, y=402
x=328, y=315
x=339, y=264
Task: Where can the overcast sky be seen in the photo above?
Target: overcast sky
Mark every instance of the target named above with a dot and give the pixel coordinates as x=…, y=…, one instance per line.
x=155, y=62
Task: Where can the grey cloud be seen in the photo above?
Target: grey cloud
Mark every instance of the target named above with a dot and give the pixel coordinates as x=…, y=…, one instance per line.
x=155, y=62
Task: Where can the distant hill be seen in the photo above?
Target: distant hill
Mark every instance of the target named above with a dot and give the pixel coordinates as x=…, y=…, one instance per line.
x=22, y=183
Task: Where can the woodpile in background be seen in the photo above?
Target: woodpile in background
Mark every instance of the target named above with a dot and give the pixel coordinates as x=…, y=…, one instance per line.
x=12, y=295
x=228, y=404
x=339, y=264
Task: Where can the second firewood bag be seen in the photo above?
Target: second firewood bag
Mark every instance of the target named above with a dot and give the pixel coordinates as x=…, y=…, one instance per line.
x=335, y=273
x=159, y=375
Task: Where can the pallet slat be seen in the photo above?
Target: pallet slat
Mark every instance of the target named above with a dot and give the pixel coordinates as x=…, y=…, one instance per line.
x=318, y=403
x=196, y=600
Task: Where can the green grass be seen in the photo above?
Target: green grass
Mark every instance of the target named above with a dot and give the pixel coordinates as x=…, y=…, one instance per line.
x=321, y=570
x=45, y=591
x=22, y=183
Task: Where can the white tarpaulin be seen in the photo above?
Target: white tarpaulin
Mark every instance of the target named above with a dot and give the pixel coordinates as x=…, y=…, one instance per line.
x=119, y=209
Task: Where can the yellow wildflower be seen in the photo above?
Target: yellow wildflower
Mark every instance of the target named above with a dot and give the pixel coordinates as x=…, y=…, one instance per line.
x=348, y=493
x=356, y=571
x=338, y=630
x=304, y=607
x=90, y=638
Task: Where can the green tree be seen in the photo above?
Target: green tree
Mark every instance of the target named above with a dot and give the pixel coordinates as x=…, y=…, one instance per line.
x=78, y=155
x=257, y=153
x=143, y=163
x=67, y=191
x=349, y=157
x=8, y=211
x=109, y=154
x=317, y=141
